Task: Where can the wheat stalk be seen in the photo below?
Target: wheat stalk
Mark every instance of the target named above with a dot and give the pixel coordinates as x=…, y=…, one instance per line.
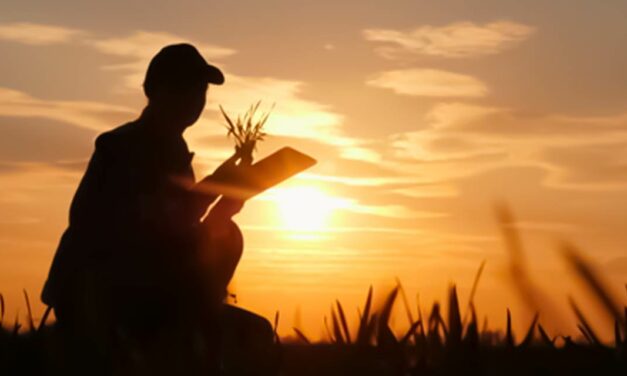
x=247, y=130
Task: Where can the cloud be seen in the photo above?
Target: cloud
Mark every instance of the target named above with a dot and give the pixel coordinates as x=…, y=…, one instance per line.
x=455, y=115
x=144, y=44
x=238, y=93
x=84, y=114
x=140, y=46
x=433, y=146
x=600, y=166
x=359, y=181
x=456, y=40
x=396, y=211
x=43, y=140
x=471, y=120
x=428, y=191
x=293, y=116
x=429, y=83
x=578, y=153
x=37, y=34
x=361, y=153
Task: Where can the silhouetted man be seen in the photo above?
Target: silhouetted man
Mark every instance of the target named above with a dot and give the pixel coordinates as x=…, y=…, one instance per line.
x=131, y=248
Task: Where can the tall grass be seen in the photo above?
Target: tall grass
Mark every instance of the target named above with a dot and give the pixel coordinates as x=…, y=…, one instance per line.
x=431, y=344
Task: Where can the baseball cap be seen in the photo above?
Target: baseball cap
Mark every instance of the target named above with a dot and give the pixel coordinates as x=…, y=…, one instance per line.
x=178, y=66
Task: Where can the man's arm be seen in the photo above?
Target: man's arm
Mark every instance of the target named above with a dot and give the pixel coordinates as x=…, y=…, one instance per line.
x=84, y=209
x=209, y=188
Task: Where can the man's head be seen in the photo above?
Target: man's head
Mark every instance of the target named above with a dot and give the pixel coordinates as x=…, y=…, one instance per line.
x=176, y=83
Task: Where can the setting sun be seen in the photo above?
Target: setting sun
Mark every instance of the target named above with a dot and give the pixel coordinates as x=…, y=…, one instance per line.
x=305, y=209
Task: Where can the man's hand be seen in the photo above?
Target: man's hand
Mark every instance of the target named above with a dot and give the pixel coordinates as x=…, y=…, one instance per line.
x=226, y=208
x=227, y=169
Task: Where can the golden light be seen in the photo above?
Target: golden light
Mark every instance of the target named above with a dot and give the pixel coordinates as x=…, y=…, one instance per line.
x=306, y=209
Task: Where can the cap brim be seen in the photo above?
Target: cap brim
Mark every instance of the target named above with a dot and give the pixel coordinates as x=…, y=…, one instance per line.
x=214, y=75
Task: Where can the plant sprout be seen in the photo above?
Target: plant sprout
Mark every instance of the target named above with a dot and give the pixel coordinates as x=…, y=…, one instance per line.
x=247, y=129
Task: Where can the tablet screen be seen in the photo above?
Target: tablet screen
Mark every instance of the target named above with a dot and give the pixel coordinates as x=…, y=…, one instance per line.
x=266, y=173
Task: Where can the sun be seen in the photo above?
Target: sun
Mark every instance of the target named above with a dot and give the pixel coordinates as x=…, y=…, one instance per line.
x=306, y=209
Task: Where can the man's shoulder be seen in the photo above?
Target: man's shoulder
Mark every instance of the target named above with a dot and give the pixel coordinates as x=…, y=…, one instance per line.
x=117, y=136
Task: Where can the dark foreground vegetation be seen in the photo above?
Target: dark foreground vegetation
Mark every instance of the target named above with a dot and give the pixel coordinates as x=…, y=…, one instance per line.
x=443, y=341
x=433, y=345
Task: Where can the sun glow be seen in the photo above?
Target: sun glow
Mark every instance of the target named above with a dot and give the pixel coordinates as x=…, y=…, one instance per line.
x=306, y=209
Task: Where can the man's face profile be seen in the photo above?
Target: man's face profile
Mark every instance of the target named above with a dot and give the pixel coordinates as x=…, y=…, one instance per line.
x=182, y=106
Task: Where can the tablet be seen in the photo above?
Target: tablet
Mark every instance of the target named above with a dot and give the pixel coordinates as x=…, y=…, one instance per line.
x=266, y=173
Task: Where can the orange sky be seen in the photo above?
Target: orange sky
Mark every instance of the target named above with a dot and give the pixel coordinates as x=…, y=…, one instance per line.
x=422, y=115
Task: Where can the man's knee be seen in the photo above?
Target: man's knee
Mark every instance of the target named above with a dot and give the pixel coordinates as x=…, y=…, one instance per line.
x=248, y=343
x=248, y=326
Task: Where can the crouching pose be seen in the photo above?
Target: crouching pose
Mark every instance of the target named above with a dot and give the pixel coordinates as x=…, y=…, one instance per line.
x=141, y=256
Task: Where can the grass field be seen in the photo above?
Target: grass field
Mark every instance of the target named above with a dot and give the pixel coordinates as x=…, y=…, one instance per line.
x=432, y=345
x=442, y=340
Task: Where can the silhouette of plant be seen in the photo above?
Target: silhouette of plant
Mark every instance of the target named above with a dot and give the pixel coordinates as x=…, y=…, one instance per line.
x=247, y=130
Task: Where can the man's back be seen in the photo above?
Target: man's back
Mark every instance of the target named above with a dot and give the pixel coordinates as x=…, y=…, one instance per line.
x=131, y=208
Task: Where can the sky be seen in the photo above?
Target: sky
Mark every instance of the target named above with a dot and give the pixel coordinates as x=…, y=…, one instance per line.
x=424, y=117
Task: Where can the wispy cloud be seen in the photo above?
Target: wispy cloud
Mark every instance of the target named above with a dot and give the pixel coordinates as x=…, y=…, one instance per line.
x=36, y=139
x=83, y=114
x=293, y=116
x=140, y=46
x=596, y=166
x=429, y=83
x=37, y=34
x=359, y=181
x=575, y=152
x=396, y=211
x=505, y=122
x=144, y=44
x=429, y=191
x=456, y=40
x=455, y=115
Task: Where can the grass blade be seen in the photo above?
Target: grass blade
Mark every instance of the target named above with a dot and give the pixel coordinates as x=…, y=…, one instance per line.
x=328, y=331
x=371, y=328
x=231, y=126
x=509, y=339
x=422, y=325
x=545, y=337
x=585, y=271
x=584, y=323
x=302, y=336
x=454, y=318
x=1, y=309
x=442, y=324
x=472, y=332
x=410, y=317
x=337, y=333
x=530, y=333
x=16, y=325
x=340, y=311
x=586, y=334
x=44, y=318
x=276, y=327
x=29, y=312
x=433, y=332
x=386, y=310
x=473, y=290
x=362, y=333
x=410, y=332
